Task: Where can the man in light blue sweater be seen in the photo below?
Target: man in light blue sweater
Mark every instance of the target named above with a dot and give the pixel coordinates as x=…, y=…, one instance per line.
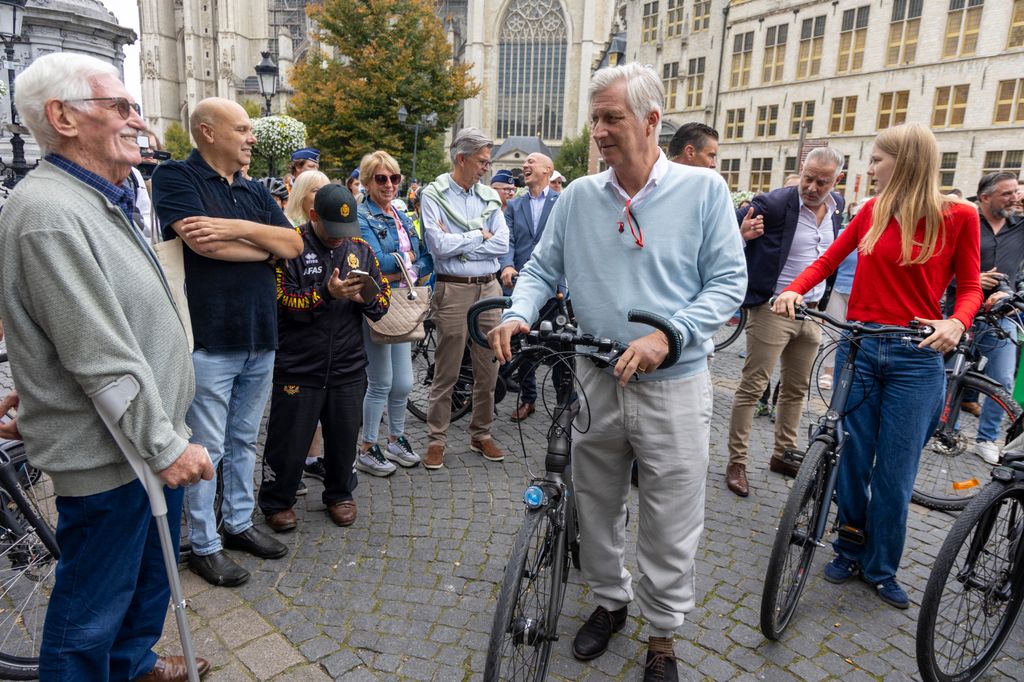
x=662, y=237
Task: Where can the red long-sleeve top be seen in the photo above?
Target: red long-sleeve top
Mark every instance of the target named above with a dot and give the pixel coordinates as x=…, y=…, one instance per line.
x=886, y=292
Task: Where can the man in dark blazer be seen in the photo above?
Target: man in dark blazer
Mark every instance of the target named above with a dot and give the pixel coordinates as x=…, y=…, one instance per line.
x=526, y=217
x=785, y=231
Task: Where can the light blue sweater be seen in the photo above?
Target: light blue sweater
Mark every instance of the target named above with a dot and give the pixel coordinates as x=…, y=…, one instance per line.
x=691, y=268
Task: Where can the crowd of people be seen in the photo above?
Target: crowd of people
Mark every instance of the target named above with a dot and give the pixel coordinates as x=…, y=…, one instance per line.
x=283, y=276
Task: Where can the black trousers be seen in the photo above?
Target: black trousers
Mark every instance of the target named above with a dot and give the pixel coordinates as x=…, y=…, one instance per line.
x=294, y=414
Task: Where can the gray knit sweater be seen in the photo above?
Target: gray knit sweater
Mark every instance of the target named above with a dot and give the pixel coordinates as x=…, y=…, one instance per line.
x=83, y=304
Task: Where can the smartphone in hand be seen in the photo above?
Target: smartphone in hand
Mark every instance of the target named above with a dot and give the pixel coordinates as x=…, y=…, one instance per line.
x=370, y=288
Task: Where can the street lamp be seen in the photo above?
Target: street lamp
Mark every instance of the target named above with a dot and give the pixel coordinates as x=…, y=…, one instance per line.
x=425, y=121
x=12, y=12
x=267, y=73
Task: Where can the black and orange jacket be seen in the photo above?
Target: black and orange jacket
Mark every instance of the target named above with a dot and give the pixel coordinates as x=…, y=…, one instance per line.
x=320, y=338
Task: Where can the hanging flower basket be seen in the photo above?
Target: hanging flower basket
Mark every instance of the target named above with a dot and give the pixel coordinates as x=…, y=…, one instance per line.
x=276, y=138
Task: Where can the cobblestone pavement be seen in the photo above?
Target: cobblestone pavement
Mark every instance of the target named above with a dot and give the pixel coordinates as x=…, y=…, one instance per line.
x=407, y=593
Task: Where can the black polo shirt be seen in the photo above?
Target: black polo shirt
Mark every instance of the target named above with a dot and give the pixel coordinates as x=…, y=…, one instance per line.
x=233, y=305
x=1003, y=251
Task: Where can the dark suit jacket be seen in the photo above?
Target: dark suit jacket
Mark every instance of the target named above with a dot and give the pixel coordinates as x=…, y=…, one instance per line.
x=522, y=234
x=767, y=254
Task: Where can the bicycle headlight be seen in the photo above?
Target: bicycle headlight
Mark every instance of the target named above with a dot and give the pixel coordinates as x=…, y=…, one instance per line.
x=533, y=497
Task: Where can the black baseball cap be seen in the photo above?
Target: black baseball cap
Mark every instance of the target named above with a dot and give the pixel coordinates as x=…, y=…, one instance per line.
x=336, y=208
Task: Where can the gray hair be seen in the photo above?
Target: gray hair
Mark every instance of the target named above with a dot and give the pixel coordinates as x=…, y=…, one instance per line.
x=60, y=76
x=988, y=182
x=644, y=92
x=469, y=141
x=829, y=156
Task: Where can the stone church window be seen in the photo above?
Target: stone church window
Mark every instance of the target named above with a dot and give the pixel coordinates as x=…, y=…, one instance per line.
x=531, y=70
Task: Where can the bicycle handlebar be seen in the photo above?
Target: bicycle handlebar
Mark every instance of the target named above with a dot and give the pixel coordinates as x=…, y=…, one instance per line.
x=675, y=339
x=921, y=331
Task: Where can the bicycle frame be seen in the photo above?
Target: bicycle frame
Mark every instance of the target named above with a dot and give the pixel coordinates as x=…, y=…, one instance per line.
x=9, y=463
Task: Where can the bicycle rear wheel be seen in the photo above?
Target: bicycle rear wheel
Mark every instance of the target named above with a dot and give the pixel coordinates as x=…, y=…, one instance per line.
x=949, y=473
x=731, y=330
x=423, y=379
x=26, y=567
x=976, y=587
x=530, y=601
x=793, y=550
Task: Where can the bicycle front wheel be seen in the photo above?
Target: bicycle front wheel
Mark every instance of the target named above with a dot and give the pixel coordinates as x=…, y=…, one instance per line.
x=976, y=587
x=731, y=330
x=530, y=601
x=795, y=541
x=423, y=379
x=949, y=473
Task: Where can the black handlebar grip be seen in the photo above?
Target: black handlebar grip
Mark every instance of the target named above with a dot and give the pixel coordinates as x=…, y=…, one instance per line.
x=483, y=305
x=675, y=339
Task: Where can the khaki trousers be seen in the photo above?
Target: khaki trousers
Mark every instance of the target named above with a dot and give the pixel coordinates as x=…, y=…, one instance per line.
x=449, y=306
x=772, y=338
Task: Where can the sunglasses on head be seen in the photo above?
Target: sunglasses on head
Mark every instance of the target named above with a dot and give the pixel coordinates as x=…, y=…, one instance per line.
x=123, y=106
x=381, y=179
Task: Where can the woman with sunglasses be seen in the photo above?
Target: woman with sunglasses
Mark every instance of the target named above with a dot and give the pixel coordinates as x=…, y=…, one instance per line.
x=391, y=235
x=911, y=240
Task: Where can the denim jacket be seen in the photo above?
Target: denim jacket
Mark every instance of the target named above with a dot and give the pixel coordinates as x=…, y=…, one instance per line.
x=381, y=234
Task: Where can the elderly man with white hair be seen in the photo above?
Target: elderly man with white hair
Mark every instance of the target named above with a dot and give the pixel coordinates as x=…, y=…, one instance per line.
x=85, y=303
x=680, y=257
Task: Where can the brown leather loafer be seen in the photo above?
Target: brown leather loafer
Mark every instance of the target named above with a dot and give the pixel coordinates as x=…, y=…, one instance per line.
x=343, y=513
x=282, y=521
x=736, y=479
x=783, y=466
x=435, y=456
x=971, y=407
x=172, y=669
x=488, y=448
x=523, y=411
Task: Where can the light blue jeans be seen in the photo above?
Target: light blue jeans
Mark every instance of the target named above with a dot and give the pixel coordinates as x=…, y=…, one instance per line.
x=389, y=381
x=1001, y=366
x=231, y=393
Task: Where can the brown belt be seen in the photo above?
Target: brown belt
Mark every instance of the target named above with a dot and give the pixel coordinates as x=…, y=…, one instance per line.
x=482, y=279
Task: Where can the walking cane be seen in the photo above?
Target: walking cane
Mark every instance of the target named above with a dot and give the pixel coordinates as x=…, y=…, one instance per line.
x=111, y=402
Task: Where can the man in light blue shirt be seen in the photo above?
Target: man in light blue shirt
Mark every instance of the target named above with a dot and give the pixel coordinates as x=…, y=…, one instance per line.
x=465, y=232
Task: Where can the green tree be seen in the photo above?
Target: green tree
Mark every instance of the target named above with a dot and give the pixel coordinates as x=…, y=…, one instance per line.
x=572, y=157
x=177, y=141
x=390, y=53
x=253, y=108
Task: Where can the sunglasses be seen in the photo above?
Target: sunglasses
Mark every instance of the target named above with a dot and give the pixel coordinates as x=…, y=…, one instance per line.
x=634, y=224
x=381, y=179
x=123, y=106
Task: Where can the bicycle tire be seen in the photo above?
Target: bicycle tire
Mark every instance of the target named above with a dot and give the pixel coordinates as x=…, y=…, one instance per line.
x=794, y=546
x=27, y=568
x=967, y=584
x=423, y=379
x=728, y=333
x=949, y=474
x=529, y=602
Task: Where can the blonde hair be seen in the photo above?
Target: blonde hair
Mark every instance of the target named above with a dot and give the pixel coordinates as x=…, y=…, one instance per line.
x=373, y=162
x=307, y=183
x=912, y=193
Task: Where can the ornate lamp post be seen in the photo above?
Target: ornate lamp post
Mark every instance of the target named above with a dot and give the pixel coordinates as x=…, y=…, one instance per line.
x=267, y=74
x=12, y=12
x=426, y=121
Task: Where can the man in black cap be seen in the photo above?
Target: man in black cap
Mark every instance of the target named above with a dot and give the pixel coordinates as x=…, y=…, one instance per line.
x=320, y=368
x=504, y=184
x=305, y=159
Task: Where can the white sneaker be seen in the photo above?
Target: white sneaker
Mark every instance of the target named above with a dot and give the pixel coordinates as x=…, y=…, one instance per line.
x=988, y=451
x=373, y=462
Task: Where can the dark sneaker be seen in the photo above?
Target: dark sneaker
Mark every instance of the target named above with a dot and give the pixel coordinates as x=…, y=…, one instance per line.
x=892, y=594
x=761, y=409
x=400, y=452
x=592, y=638
x=302, y=489
x=841, y=570
x=661, y=661
x=373, y=462
x=315, y=469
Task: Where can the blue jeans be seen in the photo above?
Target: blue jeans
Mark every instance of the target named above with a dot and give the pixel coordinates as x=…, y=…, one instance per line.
x=110, y=595
x=893, y=407
x=389, y=381
x=231, y=393
x=1002, y=363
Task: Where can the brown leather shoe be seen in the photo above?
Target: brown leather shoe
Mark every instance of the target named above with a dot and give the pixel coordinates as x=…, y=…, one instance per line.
x=488, y=448
x=282, y=521
x=971, y=407
x=172, y=669
x=784, y=466
x=343, y=513
x=523, y=411
x=736, y=479
x=435, y=456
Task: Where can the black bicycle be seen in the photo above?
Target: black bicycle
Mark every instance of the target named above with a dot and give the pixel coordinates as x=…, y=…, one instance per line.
x=533, y=587
x=805, y=518
x=950, y=473
x=28, y=558
x=731, y=330
x=423, y=377
x=976, y=588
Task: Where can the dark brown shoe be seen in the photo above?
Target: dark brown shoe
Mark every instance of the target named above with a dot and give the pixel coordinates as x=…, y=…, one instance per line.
x=736, y=479
x=661, y=663
x=784, y=464
x=523, y=411
x=488, y=448
x=172, y=669
x=971, y=407
x=435, y=456
x=343, y=513
x=282, y=521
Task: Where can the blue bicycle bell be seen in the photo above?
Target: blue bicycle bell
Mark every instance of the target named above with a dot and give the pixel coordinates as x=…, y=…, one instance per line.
x=533, y=497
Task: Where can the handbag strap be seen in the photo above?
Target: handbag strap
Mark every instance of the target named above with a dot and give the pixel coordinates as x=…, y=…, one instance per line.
x=405, y=271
